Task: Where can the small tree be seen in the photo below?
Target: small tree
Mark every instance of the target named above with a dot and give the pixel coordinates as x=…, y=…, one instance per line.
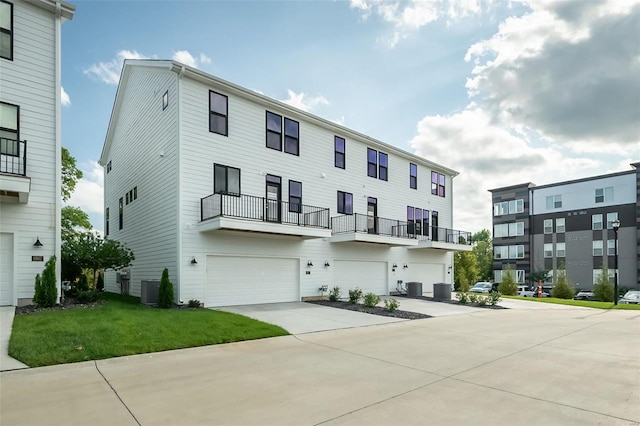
x=100, y=284
x=165, y=292
x=508, y=285
x=46, y=292
x=603, y=288
x=563, y=289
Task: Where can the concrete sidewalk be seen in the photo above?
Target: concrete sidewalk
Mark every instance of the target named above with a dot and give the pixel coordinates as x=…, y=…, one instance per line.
x=492, y=367
x=6, y=322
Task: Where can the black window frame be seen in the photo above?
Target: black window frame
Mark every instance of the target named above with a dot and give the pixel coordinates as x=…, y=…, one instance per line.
x=438, y=186
x=342, y=202
x=339, y=156
x=383, y=171
x=413, y=176
x=106, y=215
x=15, y=152
x=127, y=198
x=372, y=166
x=291, y=140
x=226, y=190
x=8, y=31
x=272, y=131
x=219, y=114
x=295, y=201
x=120, y=214
x=165, y=104
x=135, y=192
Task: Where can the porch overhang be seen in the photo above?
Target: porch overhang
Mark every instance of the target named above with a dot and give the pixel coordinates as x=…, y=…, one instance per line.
x=441, y=245
x=221, y=223
x=15, y=186
x=363, y=237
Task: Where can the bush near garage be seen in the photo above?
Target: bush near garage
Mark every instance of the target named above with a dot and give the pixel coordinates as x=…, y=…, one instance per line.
x=355, y=295
x=165, y=291
x=563, y=288
x=371, y=300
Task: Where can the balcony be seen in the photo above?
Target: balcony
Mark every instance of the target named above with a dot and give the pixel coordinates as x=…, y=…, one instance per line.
x=444, y=239
x=371, y=229
x=257, y=214
x=13, y=170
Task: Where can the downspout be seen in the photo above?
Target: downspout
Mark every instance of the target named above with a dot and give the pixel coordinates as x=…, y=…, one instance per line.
x=58, y=145
x=179, y=183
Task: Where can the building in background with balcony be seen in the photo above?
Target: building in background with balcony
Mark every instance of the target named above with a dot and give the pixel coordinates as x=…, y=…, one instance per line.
x=248, y=200
x=568, y=226
x=30, y=147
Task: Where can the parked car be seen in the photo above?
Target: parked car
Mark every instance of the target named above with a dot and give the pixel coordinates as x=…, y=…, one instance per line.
x=630, y=297
x=584, y=295
x=523, y=291
x=546, y=292
x=481, y=287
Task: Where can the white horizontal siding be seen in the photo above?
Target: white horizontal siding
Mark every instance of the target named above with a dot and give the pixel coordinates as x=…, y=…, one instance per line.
x=143, y=131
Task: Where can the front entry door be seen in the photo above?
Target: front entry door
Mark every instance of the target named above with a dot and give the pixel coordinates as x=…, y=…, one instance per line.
x=372, y=215
x=273, y=204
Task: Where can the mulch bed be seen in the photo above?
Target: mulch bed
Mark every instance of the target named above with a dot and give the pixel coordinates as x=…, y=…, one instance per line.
x=68, y=304
x=450, y=301
x=374, y=311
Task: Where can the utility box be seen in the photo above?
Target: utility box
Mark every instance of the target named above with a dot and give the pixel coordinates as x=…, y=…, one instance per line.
x=442, y=291
x=149, y=290
x=414, y=289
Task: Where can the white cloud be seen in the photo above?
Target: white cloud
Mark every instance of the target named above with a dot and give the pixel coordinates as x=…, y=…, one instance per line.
x=204, y=59
x=304, y=102
x=109, y=72
x=339, y=120
x=64, y=97
x=187, y=58
x=89, y=191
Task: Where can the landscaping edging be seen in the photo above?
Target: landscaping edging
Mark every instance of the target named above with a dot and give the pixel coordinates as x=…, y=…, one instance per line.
x=377, y=310
x=451, y=302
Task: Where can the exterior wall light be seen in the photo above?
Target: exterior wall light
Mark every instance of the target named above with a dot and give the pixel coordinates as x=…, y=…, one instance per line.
x=309, y=263
x=38, y=243
x=405, y=266
x=326, y=263
x=194, y=261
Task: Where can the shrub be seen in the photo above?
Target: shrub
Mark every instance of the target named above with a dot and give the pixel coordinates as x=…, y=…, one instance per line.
x=88, y=296
x=473, y=298
x=194, y=303
x=508, y=285
x=563, y=288
x=100, y=283
x=334, y=294
x=603, y=288
x=462, y=297
x=371, y=300
x=494, y=297
x=46, y=293
x=483, y=300
x=165, y=292
x=391, y=305
x=83, y=283
x=355, y=295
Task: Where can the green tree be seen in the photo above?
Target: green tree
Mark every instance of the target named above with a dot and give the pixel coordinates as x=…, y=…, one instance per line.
x=73, y=220
x=100, y=284
x=91, y=251
x=466, y=270
x=603, y=288
x=541, y=275
x=508, y=286
x=563, y=289
x=70, y=174
x=46, y=291
x=483, y=251
x=165, y=291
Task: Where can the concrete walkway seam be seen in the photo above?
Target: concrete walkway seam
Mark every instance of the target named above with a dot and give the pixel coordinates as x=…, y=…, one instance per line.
x=115, y=392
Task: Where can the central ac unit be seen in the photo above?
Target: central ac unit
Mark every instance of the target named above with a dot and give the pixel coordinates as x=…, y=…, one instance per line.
x=149, y=292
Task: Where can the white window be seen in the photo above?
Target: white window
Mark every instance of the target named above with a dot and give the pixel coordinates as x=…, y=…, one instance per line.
x=597, y=248
x=500, y=209
x=500, y=231
x=548, y=226
x=560, y=225
x=516, y=252
x=548, y=250
x=604, y=195
x=500, y=252
x=596, y=222
x=516, y=206
x=611, y=217
x=611, y=247
x=516, y=229
x=554, y=202
x=520, y=276
x=560, y=250
x=598, y=272
x=497, y=276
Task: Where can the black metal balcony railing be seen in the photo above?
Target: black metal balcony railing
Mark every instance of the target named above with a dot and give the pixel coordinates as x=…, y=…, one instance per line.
x=370, y=225
x=13, y=156
x=261, y=209
x=446, y=235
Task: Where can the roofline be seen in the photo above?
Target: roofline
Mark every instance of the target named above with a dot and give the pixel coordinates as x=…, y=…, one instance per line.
x=199, y=75
x=66, y=10
x=533, y=186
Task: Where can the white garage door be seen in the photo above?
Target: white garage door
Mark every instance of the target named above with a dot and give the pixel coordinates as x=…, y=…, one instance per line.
x=6, y=269
x=371, y=277
x=251, y=280
x=427, y=274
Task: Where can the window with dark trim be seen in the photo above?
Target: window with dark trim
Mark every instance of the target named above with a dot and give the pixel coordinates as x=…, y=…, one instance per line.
x=372, y=163
x=135, y=193
x=274, y=131
x=291, y=136
x=127, y=199
x=345, y=202
x=295, y=196
x=437, y=184
x=417, y=221
x=107, y=221
x=120, y=214
x=226, y=180
x=9, y=129
x=6, y=30
x=339, y=152
x=425, y=223
x=165, y=100
x=383, y=163
x=413, y=176
x=108, y=166
x=218, y=113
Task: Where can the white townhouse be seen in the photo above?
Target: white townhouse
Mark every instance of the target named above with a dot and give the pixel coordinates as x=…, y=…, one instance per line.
x=30, y=164
x=248, y=200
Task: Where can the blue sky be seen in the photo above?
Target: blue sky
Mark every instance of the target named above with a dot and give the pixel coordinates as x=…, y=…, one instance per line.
x=503, y=92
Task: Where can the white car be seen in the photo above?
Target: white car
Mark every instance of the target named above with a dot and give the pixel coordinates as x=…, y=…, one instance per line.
x=523, y=291
x=482, y=287
x=630, y=297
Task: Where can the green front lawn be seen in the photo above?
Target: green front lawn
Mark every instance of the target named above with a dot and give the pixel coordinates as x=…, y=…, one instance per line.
x=585, y=303
x=121, y=327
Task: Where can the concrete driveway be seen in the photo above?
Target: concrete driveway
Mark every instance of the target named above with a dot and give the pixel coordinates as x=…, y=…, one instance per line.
x=491, y=367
